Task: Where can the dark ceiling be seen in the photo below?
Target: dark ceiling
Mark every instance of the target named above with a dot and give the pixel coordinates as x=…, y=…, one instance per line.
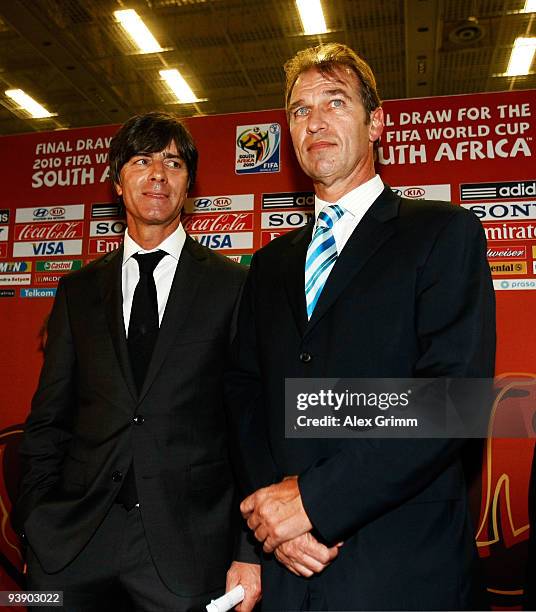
x=72, y=56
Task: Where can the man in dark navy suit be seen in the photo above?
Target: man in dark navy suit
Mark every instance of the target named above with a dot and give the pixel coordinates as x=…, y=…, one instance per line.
x=378, y=287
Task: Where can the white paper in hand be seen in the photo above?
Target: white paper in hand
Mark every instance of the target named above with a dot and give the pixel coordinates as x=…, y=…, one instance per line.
x=227, y=601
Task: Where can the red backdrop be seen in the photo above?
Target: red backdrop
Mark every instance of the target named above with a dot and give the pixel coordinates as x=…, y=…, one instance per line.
x=57, y=212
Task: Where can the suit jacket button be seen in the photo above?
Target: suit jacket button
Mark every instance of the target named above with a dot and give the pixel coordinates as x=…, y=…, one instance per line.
x=305, y=357
x=139, y=419
x=117, y=477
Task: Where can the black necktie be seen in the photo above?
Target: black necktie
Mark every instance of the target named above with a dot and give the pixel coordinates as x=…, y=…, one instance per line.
x=142, y=335
x=143, y=324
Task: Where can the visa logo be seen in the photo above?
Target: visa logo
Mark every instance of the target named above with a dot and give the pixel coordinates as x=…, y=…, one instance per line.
x=48, y=248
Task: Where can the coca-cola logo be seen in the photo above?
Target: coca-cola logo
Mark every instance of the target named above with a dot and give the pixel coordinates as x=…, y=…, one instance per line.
x=62, y=230
x=223, y=222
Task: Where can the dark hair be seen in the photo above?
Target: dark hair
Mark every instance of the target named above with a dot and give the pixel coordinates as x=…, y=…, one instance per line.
x=326, y=58
x=151, y=133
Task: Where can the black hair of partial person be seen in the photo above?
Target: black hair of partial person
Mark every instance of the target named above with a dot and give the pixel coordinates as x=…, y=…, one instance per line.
x=151, y=133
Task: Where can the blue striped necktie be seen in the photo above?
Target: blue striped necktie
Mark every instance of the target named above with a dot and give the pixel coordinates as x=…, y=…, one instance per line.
x=321, y=255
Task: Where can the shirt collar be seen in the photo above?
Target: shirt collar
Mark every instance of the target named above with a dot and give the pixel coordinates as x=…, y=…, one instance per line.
x=357, y=201
x=172, y=245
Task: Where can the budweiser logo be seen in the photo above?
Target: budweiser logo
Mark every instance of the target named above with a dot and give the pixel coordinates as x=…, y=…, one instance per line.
x=224, y=222
x=506, y=252
x=63, y=230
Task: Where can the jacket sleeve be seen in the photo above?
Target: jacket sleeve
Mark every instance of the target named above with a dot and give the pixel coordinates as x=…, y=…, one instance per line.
x=48, y=427
x=455, y=327
x=250, y=451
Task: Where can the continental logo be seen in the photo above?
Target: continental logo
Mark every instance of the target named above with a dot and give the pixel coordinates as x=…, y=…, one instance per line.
x=15, y=266
x=58, y=266
x=508, y=267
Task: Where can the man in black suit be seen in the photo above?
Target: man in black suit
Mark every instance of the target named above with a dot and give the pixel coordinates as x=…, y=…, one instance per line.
x=402, y=290
x=127, y=486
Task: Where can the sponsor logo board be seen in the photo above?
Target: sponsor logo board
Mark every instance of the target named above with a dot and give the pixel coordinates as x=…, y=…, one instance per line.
x=4, y=215
x=267, y=237
x=47, y=279
x=507, y=252
x=58, y=266
x=113, y=227
x=37, y=292
x=286, y=219
x=514, y=284
x=222, y=203
x=71, y=212
x=522, y=230
x=219, y=222
x=258, y=148
x=499, y=268
x=245, y=260
x=99, y=246
x=7, y=293
x=4, y=233
x=288, y=199
x=62, y=230
x=15, y=279
x=47, y=249
x=15, y=266
x=108, y=210
x=493, y=211
x=237, y=240
x=424, y=192
x=498, y=191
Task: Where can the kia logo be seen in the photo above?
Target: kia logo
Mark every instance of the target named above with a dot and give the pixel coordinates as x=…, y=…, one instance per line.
x=40, y=212
x=414, y=192
x=202, y=203
x=221, y=202
x=57, y=212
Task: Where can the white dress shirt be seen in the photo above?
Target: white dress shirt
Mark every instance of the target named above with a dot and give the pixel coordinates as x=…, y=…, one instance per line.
x=355, y=203
x=163, y=274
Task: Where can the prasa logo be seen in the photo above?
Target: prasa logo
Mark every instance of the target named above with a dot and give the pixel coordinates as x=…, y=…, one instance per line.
x=503, y=211
x=203, y=203
x=414, y=192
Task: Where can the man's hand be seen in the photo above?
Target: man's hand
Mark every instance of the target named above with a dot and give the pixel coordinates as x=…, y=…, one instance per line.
x=276, y=514
x=305, y=556
x=249, y=576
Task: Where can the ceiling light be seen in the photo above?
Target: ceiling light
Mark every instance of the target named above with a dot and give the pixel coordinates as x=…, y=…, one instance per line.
x=179, y=86
x=311, y=16
x=522, y=56
x=530, y=6
x=28, y=104
x=138, y=31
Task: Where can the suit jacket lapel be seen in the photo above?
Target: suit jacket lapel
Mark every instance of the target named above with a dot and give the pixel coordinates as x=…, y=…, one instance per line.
x=367, y=238
x=184, y=288
x=112, y=296
x=295, y=275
